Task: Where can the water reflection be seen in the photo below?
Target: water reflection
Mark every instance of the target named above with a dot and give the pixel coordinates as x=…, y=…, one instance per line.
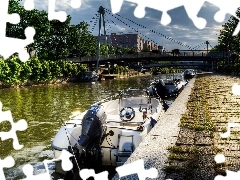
x=45, y=108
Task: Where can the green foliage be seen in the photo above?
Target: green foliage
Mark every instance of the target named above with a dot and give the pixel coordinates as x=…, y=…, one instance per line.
x=53, y=39
x=4, y=72
x=25, y=72
x=14, y=71
x=230, y=69
x=119, y=69
x=226, y=40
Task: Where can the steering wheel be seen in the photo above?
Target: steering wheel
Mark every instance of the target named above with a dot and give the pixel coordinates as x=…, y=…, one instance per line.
x=128, y=113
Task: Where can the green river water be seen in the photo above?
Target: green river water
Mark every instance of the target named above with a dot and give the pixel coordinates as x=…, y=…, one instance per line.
x=45, y=108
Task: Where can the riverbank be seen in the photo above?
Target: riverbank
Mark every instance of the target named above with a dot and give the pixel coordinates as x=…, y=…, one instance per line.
x=210, y=107
x=71, y=80
x=186, y=140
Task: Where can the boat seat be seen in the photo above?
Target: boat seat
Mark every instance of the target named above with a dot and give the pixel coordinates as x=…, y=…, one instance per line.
x=125, y=148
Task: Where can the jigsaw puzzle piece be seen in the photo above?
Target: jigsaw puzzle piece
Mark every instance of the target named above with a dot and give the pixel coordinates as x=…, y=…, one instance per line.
x=236, y=89
x=230, y=125
x=76, y=4
x=192, y=8
x=230, y=176
x=66, y=162
x=29, y=5
x=21, y=125
x=28, y=171
x=13, y=45
x=137, y=167
x=159, y=5
x=52, y=14
x=5, y=17
x=87, y=173
x=219, y=158
x=116, y=6
x=6, y=163
x=226, y=7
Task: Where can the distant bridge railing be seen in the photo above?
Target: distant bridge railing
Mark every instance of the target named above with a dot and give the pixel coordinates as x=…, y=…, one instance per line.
x=148, y=55
x=175, y=64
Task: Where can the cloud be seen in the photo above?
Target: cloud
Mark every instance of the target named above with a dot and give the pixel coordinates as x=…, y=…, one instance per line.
x=180, y=29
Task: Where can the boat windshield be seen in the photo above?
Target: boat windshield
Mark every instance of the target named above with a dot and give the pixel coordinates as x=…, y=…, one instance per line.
x=168, y=82
x=134, y=93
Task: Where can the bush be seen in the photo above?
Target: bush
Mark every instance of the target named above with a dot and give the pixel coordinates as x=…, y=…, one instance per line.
x=14, y=71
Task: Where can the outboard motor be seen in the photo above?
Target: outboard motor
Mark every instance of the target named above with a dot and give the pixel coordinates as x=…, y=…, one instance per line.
x=93, y=127
x=161, y=89
x=88, y=149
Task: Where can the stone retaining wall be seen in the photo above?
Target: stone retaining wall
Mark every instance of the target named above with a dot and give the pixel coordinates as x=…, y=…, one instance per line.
x=153, y=149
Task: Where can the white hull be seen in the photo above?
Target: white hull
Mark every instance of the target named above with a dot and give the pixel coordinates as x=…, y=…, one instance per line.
x=127, y=136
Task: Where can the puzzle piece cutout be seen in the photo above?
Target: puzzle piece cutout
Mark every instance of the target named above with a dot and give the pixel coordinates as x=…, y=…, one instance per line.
x=61, y=15
x=66, y=166
x=11, y=45
x=236, y=89
x=28, y=171
x=29, y=5
x=21, y=125
x=226, y=7
x=192, y=8
x=220, y=158
x=142, y=4
x=87, y=173
x=66, y=163
x=137, y=167
x=231, y=175
x=6, y=163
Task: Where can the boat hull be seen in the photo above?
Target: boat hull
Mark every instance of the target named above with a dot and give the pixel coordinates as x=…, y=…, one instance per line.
x=126, y=134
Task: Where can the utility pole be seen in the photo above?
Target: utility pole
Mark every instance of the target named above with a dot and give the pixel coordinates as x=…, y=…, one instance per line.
x=101, y=12
x=207, y=46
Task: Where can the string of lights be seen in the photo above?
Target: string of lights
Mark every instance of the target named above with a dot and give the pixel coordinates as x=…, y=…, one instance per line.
x=169, y=38
x=95, y=22
x=130, y=27
x=198, y=46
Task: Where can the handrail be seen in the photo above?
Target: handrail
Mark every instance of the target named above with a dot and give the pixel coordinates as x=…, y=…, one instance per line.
x=149, y=54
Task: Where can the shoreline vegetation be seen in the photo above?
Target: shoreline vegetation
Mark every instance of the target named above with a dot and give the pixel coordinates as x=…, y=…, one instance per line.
x=14, y=73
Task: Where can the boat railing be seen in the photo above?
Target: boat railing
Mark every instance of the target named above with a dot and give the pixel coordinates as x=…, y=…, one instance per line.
x=126, y=122
x=107, y=99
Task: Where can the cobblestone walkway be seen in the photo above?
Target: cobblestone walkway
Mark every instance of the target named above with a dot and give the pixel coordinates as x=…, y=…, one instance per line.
x=210, y=107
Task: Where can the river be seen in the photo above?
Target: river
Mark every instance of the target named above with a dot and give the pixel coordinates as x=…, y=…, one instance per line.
x=46, y=108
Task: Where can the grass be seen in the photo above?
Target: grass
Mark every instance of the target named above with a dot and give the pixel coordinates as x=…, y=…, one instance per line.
x=172, y=168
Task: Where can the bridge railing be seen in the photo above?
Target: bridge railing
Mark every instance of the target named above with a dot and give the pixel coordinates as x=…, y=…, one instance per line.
x=148, y=55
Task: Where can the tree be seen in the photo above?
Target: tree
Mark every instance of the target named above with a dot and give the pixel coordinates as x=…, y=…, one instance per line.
x=53, y=39
x=226, y=39
x=79, y=40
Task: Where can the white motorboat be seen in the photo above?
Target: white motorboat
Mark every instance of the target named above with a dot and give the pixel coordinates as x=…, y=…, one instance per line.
x=109, y=131
x=167, y=87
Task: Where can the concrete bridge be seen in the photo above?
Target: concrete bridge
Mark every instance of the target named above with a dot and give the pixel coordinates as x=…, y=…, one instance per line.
x=184, y=55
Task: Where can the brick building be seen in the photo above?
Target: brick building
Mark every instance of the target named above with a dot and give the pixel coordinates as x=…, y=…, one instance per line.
x=130, y=41
x=102, y=39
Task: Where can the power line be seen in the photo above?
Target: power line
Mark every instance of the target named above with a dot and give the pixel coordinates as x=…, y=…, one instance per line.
x=169, y=38
x=130, y=27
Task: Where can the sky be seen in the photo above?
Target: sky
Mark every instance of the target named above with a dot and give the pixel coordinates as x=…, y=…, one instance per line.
x=181, y=28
